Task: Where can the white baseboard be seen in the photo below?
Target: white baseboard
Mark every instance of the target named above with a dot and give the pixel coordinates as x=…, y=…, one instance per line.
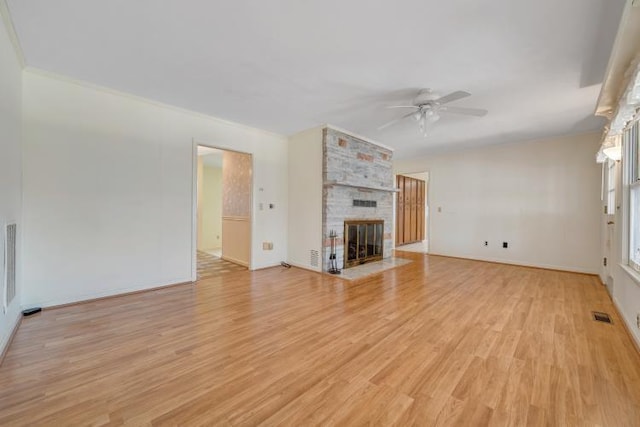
x=521, y=263
x=631, y=327
x=74, y=299
x=235, y=261
x=305, y=267
x=6, y=340
x=265, y=266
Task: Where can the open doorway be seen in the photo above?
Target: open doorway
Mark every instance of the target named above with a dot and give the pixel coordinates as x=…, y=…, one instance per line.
x=412, y=212
x=223, y=212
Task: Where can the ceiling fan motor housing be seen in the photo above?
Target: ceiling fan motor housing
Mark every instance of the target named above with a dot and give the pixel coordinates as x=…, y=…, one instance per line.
x=426, y=96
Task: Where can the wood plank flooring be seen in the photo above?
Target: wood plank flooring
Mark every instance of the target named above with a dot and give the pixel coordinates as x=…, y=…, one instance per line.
x=438, y=342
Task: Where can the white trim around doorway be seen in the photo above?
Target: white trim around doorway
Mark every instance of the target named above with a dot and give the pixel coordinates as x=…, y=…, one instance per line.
x=194, y=203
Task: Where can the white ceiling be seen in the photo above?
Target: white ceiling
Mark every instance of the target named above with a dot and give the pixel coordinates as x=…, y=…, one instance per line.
x=288, y=65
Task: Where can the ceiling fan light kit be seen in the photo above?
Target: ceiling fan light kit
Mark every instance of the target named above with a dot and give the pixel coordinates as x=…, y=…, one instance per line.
x=428, y=106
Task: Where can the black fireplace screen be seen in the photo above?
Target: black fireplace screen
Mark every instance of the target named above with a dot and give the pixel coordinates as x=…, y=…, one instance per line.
x=363, y=241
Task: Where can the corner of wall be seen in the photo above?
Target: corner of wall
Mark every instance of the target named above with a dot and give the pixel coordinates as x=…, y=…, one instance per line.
x=11, y=149
x=304, y=231
x=12, y=326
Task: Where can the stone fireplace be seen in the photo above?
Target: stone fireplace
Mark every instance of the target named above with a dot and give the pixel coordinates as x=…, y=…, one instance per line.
x=357, y=202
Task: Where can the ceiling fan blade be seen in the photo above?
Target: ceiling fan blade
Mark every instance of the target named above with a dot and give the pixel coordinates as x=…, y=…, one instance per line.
x=393, y=122
x=454, y=96
x=415, y=107
x=478, y=112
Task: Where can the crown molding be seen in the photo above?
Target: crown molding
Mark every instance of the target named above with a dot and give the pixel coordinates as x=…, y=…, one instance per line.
x=104, y=89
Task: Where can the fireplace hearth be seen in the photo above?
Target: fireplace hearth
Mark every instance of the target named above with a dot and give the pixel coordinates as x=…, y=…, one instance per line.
x=363, y=241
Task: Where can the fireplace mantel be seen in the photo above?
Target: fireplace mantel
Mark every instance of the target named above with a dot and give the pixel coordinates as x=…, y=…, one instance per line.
x=361, y=187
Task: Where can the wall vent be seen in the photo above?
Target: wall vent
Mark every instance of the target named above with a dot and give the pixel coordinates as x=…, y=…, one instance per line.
x=10, y=264
x=314, y=256
x=365, y=203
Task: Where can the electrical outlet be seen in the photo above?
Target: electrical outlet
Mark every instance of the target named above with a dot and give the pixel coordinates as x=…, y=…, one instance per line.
x=505, y=245
x=486, y=243
x=267, y=246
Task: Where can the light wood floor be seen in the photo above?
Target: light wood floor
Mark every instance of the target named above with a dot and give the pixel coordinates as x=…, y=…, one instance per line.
x=439, y=341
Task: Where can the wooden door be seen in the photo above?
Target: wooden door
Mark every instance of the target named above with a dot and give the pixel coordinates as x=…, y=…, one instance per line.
x=420, y=211
x=413, y=226
x=409, y=210
x=400, y=210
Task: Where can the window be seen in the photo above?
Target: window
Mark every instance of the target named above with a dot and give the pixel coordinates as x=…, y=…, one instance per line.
x=631, y=141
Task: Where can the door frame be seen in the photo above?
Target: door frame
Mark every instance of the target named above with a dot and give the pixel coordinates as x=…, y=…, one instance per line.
x=194, y=202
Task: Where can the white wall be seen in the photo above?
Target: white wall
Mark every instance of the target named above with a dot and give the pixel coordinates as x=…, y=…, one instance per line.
x=10, y=171
x=236, y=233
x=542, y=197
x=305, y=198
x=211, y=208
x=199, y=216
x=108, y=189
x=626, y=296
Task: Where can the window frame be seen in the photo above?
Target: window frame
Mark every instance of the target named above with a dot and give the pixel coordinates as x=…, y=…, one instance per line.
x=631, y=144
x=610, y=188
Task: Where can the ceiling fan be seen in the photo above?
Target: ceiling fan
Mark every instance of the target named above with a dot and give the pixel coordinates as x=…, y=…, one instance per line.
x=427, y=107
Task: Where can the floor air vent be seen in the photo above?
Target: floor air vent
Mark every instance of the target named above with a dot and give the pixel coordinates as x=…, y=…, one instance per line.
x=601, y=317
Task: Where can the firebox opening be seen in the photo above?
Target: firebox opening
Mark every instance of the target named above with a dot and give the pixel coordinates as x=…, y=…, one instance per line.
x=363, y=241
